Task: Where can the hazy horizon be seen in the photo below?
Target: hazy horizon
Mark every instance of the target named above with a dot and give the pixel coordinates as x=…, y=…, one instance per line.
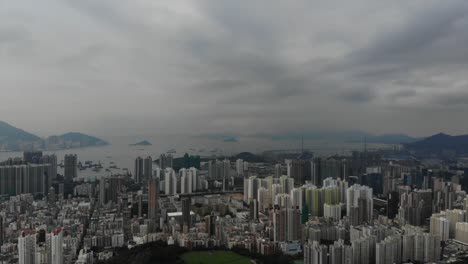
x=121, y=68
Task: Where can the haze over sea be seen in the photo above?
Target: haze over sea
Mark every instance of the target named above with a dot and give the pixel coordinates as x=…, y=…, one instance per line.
x=123, y=154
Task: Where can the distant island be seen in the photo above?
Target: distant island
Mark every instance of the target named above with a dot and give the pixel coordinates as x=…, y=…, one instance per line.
x=231, y=139
x=16, y=139
x=142, y=143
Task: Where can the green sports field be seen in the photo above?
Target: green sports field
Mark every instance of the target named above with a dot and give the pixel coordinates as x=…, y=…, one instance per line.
x=214, y=257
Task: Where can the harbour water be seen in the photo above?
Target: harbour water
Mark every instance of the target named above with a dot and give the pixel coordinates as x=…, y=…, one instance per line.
x=122, y=154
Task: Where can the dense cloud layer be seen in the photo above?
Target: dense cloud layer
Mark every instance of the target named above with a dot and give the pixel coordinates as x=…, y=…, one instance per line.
x=210, y=66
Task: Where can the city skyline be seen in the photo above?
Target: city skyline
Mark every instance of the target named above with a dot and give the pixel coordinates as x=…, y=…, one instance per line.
x=372, y=206
x=220, y=131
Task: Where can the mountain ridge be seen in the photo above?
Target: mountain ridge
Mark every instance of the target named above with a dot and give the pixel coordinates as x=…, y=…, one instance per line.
x=439, y=143
x=17, y=139
x=345, y=136
x=141, y=143
x=7, y=131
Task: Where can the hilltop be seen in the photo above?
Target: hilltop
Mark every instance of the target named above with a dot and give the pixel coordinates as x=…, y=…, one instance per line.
x=439, y=144
x=16, y=139
x=142, y=143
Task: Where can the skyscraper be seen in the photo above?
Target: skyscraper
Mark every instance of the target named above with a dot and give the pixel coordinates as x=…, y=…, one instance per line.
x=431, y=248
x=278, y=171
x=461, y=232
x=293, y=224
x=263, y=198
x=408, y=247
x=275, y=190
x=147, y=168
x=32, y=156
x=240, y=167
x=56, y=246
x=332, y=211
x=340, y=253
x=195, y=179
x=454, y=216
x=415, y=206
x=113, y=188
x=212, y=171
x=342, y=186
x=139, y=198
x=19, y=179
x=51, y=197
x=226, y=169
x=2, y=232
x=27, y=247
x=297, y=196
x=360, y=205
x=389, y=250
x=153, y=198
x=420, y=246
x=393, y=200
x=252, y=188
x=52, y=160
x=314, y=199
x=186, y=203
x=165, y=161
x=102, y=191
x=287, y=183
x=286, y=224
x=364, y=249
x=439, y=225
x=143, y=169
x=188, y=180
x=210, y=224
x=299, y=170
x=170, y=181
x=279, y=224
x=138, y=169
x=283, y=200
x=314, y=253
x=253, y=208
x=71, y=166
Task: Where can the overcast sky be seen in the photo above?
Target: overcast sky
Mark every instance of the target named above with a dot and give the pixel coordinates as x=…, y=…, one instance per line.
x=114, y=67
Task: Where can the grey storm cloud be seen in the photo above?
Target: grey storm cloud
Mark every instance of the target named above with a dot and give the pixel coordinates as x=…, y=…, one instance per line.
x=213, y=66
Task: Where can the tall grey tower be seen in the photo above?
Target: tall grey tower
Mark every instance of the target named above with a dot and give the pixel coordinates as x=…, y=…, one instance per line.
x=143, y=169
x=71, y=166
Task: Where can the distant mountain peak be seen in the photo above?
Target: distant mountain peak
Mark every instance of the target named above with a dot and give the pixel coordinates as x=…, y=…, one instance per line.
x=12, y=137
x=16, y=139
x=440, y=134
x=142, y=143
x=80, y=139
x=438, y=143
